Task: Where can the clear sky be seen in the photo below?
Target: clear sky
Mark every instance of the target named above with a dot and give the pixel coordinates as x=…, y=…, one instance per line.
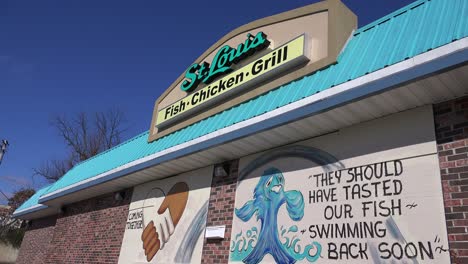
x=72, y=56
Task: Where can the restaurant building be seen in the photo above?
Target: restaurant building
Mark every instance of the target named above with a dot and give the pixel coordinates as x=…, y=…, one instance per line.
x=294, y=138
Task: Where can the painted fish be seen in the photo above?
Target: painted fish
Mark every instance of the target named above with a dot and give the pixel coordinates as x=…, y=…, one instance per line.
x=269, y=196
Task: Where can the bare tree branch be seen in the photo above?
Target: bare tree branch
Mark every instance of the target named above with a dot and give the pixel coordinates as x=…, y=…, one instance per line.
x=54, y=169
x=85, y=138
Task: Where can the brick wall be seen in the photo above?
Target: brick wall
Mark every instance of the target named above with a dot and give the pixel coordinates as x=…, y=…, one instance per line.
x=90, y=231
x=36, y=241
x=220, y=212
x=451, y=121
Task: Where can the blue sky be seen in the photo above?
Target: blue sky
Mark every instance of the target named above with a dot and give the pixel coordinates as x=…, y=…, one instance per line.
x=65, y=57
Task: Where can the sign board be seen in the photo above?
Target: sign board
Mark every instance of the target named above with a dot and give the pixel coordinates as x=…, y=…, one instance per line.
x=370, y=193
x=275, y=62
x=246, y=63
x=166, y=220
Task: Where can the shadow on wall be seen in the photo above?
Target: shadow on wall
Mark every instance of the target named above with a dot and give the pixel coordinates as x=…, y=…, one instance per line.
x=8, y=254
x=102, y=202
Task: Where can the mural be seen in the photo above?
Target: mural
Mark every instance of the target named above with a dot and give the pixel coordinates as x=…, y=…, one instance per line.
x=269, y=195
x=158, y=231
x=167, y=219
x=341, y=198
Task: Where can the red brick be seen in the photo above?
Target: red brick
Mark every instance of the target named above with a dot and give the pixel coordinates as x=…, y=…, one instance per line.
x=463, y=237
x=461, y=150
x=460, y=209
x=460, y=195
x=456, y=230
x=458, y=245
x=449, y=164
x=448, y=177
x=445, y=153
x=461, y=162
x=451, y=189
x=457, y=144
x=463, y=222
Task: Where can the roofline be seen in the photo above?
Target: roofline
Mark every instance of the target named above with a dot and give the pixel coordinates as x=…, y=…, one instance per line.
x=387, y=78
x=392, y=14
x=29, y=210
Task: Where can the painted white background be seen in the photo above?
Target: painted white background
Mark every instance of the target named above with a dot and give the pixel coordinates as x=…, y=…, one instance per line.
x=408, y=136
x=199, y=183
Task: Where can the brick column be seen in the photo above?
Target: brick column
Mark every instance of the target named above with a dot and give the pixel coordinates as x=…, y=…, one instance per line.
x=220, y=212
x=451, y=123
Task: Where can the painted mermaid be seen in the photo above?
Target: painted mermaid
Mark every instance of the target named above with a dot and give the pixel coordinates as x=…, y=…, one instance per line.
x=269, y=196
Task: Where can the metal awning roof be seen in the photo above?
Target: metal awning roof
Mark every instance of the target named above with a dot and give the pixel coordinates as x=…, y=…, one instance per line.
x=32, y=206
x=407, y=44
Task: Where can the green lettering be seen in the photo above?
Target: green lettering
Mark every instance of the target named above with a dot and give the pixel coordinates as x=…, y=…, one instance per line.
x=222, y=61
x=191, y=75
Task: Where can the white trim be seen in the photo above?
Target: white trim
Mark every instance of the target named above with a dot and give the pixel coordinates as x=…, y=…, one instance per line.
x=28, y=209
x=442, y=51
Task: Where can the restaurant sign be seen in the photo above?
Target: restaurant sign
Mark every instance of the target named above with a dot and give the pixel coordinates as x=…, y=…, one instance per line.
x=279, y=60
x=222, y=61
